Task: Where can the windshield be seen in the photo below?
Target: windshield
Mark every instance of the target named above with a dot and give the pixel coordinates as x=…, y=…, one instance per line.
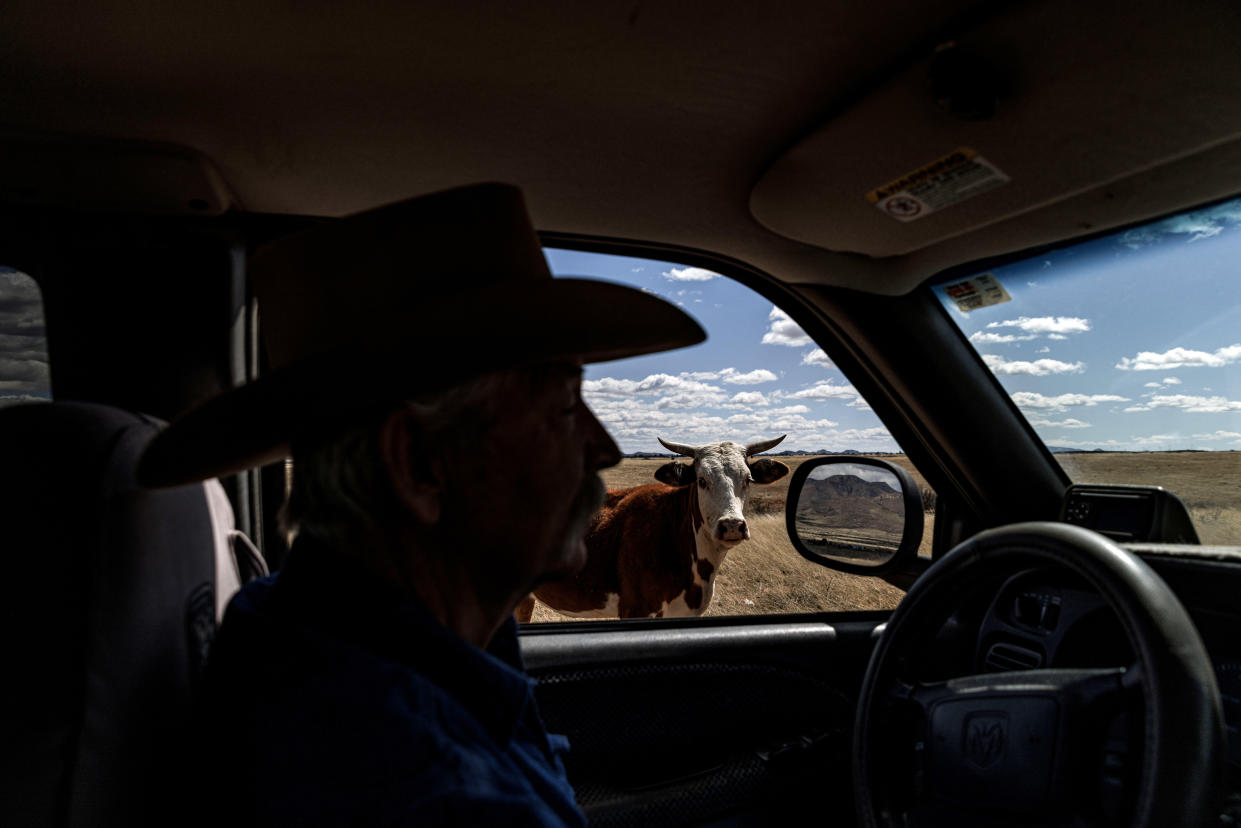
x=1124, y=352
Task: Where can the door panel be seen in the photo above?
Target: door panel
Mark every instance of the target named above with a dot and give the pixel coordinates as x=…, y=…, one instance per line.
x=698, y=723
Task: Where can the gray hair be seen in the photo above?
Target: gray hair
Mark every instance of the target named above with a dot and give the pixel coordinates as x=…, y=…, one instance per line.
x=340, y=492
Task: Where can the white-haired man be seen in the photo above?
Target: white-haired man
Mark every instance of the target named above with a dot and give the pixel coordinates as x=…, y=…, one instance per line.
x=427, y=382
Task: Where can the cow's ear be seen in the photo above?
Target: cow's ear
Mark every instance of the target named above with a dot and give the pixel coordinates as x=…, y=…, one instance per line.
x=767, y=471
x=675, y=474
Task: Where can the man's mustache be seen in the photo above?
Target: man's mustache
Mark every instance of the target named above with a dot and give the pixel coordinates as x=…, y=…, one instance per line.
x=589, y=499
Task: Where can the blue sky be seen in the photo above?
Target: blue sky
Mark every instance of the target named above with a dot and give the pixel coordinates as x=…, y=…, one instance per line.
x=757, y=376
x=1131, y=341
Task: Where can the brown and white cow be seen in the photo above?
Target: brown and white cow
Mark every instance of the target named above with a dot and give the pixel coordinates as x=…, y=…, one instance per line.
x=654, y=550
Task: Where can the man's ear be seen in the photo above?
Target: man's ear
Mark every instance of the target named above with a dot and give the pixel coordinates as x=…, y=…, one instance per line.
x=675, y=474
x=767, y=471
x=415, y=479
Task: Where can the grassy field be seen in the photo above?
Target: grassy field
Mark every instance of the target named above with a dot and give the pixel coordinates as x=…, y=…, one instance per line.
x=1209, y=482
x=766, y=575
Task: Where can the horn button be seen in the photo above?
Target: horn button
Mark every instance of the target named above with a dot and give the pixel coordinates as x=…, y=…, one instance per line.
x=992, y=740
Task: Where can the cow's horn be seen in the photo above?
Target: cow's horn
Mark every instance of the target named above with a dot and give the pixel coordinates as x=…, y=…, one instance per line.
x=759, y=447
x=679, y=448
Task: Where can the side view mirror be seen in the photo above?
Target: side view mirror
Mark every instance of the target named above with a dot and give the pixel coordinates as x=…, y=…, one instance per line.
x=855, y=514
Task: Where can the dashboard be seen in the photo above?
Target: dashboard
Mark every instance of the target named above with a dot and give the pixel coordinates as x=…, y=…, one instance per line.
x=1038, y=619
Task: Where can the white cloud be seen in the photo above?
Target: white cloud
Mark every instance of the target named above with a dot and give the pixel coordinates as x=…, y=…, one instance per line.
x=863, y=434
x=689, y=274
x=1032, y=400
x=1188, y=403
x=653, y=384
x=749, y=398
x=1195, y=226
x=1180, y=358
x=784, y=331
x=731, y=377
x=1043, y=350
x=1162, y=440
x=984, y=338
x=817, y=357
x=1045, y=324
x=685, y=409
x=1066, y=423
x=688, y=401
x=825, y=391
x=1171, y=381
x=793, y=423
x=1037, y=368
x=1068, y=443
x=1152, y=442
x=1056, y=336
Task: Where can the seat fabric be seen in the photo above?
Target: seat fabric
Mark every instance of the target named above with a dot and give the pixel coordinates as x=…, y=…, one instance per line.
x=109, y=608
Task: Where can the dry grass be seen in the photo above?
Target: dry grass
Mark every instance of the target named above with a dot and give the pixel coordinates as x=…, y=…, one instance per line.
x=1208, y=482
x=766, y=575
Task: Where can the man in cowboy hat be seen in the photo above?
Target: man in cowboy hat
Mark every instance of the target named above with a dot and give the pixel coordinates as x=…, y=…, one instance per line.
x=426, y=374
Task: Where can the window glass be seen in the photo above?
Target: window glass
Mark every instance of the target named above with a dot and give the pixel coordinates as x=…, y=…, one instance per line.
x=1124, y=353
x=758, y=376
x=23, y=347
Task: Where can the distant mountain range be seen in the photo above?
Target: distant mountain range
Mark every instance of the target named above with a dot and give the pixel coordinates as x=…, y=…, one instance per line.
x=1063, y=450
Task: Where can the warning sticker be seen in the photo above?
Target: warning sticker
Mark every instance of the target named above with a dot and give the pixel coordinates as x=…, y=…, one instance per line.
x=977, y=292
x=946, y=181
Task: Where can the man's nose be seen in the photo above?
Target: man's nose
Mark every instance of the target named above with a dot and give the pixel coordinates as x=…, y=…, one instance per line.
x=602, y=450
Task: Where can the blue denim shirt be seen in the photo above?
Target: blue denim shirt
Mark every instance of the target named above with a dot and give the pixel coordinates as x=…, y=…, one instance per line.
x=333, y=699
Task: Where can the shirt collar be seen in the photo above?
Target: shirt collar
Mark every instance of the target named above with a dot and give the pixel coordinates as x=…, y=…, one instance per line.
x=338, y=597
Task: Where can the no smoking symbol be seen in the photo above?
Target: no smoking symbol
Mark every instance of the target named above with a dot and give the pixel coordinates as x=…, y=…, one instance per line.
x=902, y=207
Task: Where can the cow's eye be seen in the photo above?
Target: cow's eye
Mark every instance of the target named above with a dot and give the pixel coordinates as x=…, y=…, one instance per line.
x=702, y=483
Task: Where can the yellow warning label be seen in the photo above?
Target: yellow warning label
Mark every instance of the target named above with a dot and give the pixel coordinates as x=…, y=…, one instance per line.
x=945, y=181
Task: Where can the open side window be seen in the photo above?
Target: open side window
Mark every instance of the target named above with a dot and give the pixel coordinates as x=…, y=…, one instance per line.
x=24, y=374
x=758, y=377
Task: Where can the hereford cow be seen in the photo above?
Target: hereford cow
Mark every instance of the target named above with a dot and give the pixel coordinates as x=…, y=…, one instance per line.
x=653, y=551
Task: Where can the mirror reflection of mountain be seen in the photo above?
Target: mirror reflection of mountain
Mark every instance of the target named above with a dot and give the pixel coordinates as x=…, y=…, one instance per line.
x=851, y=518
x=852, y=500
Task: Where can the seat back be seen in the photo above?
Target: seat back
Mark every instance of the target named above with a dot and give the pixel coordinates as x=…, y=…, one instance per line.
x=110, y=606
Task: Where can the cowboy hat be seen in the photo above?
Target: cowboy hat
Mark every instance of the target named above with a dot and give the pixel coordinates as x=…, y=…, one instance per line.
x=397, y=302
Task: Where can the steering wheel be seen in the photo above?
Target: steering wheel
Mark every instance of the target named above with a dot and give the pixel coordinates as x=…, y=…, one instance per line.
x=1141, y=745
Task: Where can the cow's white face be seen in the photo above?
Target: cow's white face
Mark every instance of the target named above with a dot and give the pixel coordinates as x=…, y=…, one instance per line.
x=722, y=475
